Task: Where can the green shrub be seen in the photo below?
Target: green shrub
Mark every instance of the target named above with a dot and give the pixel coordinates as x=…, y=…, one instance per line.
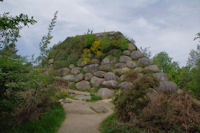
x=94, y=98
x=175, y=113
x=89, y=39
x=68, y=52
x=131, y=102
x=131, y=76
x=118, y=41
x=49, y=123
x=111, y=125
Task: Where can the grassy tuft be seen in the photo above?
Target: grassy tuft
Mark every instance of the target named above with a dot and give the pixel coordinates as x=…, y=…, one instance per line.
x=94, y=98
x=49, y=123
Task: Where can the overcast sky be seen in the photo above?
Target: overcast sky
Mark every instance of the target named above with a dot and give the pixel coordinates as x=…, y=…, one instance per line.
x=162, y=25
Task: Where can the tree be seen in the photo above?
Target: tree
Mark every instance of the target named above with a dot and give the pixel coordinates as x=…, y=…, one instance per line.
x=9, y=32
x=165, y=63
x=46, y=41
x=194, y=56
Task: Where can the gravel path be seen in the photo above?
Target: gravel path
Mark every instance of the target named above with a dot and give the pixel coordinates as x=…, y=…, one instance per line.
x=84, y=117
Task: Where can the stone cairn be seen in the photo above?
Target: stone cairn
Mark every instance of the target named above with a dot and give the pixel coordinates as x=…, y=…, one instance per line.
x=109, y=74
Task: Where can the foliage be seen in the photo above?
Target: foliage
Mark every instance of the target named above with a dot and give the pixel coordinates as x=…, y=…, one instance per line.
x=46, y=40
x=94, y=98
x=26, y=90
x=62, y=94
x=112, y=125
x=194, y=82
x=176, y=113
x=89, y=38
x=131, y=102
x=119, y=42
x=94, y=50
x=165, y=63
x=9, y=32
x=194, y=57
x=131, y=76
x=68, y=52
x=49, y=123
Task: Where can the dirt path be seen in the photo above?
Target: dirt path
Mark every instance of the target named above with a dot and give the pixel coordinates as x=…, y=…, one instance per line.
x=84, y=117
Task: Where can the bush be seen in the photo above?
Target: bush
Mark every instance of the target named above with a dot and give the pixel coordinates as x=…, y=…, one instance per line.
x=176, y=113
x=89, y=39
x=117, y=42
x=68, y=52
x=131, y=102
x=49, y=123
x=24, y=90
x=131, y=76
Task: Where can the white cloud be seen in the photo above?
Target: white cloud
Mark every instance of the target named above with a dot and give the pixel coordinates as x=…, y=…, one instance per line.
x=161, y=25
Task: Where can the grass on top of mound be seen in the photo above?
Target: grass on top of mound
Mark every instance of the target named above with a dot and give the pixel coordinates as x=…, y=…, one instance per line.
x=49, y=123
x=71, y=50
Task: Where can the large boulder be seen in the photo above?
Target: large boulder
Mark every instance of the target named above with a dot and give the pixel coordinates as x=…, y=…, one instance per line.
x=138, y=69
x=161, y=76
x=69, y=78
x=109, y=60
x=95, y=61
x=83, y=97
x=121, y=70
x=50, y=61
x=83, y=85
x=167, y=86
x=110, y=76
x=130, y=64
x=76, y=70
x=88, y=76
x=99, y=74
x=105, y=67
x=63, y=71
x=125, y=85
x=124, y=59
x=122, y=77
x=99, y=108
x=106, y=60
x=145, y=62
x=81, y=63
x=110, y=84
x=153, y=68
x=136, y=55
x=79, y=77
x=95, y=81
x=126, y=52
x=131, y=47
x=91, y=67
x=71, y=66
x=105, y=93
x=120, y=65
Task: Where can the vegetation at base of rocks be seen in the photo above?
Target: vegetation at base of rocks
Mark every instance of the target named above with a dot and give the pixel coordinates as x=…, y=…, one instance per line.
x=186, y=77
x=49, y=123
x=94, y=98
x=62, y=94
x=131, y=102
x=136, y=110
x=27, y=91
x=112, y=125
x=131, y=75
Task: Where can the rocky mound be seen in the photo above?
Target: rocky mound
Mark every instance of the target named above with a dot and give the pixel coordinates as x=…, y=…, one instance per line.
x=108, y=71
